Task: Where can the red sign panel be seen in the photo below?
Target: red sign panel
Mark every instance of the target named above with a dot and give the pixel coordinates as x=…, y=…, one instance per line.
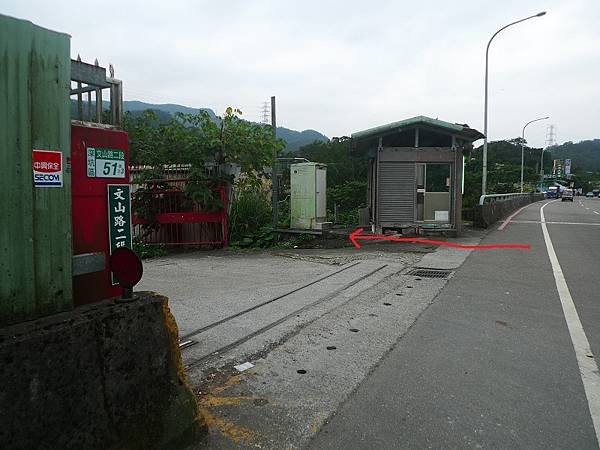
x=90, y=210
x=47, y=168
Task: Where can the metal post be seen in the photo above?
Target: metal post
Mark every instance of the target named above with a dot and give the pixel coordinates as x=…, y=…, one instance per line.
x=485, y=107
x=113, y=103
x=542, y=168
x=99, y=105
x=274, y=179
x=522, y=145
x=79, y=102
x=485, y=124
x=522, y=160
x=373, y=191
x=89, y=106
x=119, y=106
x=375, y=226
x=79, y=97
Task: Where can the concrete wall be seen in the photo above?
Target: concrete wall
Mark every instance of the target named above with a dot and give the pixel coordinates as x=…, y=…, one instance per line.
x=102, y=376
x=490, y=213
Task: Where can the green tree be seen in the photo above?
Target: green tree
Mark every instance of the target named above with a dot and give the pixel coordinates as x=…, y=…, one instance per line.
x=201, y=142
x=346, y=175
x=584, y=154
x=144, y=138
x=343, y=165
x=198, y=140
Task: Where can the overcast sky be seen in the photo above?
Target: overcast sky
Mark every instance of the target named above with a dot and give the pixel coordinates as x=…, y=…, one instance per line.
x=344, y=66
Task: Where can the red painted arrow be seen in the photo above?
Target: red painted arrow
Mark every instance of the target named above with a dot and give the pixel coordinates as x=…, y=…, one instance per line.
x=356, y=236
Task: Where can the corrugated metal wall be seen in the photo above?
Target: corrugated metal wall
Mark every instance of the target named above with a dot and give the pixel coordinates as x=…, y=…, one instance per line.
x=396, y=193
x=35, y=243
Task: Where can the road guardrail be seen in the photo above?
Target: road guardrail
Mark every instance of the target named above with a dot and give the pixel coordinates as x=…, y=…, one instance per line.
x=499, y=197
x=493, y=207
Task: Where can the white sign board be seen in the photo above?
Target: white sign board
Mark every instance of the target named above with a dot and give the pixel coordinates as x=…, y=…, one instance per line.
x=105, y=163
x=441, y=216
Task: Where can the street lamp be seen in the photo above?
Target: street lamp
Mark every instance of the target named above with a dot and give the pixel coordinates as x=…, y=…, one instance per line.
x=485, y=109
x=522, y=143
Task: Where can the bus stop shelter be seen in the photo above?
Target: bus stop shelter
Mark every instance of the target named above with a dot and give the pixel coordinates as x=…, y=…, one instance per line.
x=415, y=177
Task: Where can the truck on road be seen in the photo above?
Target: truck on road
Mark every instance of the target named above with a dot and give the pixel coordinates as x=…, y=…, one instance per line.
x=552, y=192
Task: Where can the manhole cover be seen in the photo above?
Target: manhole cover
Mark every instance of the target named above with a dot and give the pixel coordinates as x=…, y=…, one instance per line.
x=430, y=273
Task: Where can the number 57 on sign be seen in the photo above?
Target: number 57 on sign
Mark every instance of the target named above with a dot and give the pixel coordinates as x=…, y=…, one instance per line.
x=105, y=163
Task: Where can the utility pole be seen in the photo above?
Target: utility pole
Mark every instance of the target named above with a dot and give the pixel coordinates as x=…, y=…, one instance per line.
x=274, y=179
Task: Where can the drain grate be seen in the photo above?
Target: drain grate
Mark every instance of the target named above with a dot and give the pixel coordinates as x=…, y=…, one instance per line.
x=430, y=273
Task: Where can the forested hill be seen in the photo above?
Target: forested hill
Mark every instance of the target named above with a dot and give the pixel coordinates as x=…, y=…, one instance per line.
x=585, y=155
x=295, y=139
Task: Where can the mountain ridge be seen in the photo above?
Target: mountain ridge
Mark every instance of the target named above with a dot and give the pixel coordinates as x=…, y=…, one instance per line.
x=585, y=155
x=294, y=139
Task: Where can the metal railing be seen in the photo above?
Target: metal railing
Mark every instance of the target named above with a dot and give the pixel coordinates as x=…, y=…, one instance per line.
x=89, y=80
x=175, y=219
x=498, y=197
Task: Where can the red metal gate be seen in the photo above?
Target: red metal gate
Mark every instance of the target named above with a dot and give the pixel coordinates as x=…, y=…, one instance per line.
x=175, y=220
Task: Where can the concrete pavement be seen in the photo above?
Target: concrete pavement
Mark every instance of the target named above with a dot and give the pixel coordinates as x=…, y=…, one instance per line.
x=311, y=347
x=491, y=362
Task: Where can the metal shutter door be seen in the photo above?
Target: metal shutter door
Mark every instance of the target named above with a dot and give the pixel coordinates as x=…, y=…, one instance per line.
x=396, y=193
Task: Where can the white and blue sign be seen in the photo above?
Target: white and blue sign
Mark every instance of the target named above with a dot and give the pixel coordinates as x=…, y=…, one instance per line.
x=47, y=168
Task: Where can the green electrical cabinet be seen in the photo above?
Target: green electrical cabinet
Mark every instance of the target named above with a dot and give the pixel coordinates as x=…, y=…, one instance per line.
x=308, y=202
x=35, y=242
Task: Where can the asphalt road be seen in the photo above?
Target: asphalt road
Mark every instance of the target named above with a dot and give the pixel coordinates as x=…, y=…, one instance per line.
x=491, y=364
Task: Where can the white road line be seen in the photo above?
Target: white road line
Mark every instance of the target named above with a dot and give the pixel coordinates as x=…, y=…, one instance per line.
x=588, y=369
x=558, y=223
x=507, y=221
x=596, y=212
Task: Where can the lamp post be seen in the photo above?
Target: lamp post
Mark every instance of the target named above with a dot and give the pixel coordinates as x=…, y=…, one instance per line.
x=485, y=108
x=522, y=144
x=542, y=168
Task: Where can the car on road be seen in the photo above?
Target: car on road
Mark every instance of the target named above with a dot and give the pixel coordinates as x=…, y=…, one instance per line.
x=567, y=195
x=552, y=192
x=589, y=194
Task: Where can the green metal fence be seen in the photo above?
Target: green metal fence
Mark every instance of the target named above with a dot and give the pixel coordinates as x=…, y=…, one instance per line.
x=35, y=231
